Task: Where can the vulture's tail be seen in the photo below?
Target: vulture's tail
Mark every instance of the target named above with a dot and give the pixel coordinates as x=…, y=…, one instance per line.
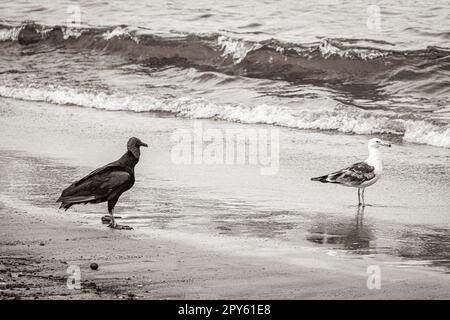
x=68, y=201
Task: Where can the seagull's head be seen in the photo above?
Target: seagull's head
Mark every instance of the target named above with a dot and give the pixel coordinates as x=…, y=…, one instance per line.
x=377, y=143
x=133, y=146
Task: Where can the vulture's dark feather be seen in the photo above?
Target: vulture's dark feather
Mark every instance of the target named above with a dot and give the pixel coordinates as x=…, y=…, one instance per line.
x=102, y=186
x=106, y=183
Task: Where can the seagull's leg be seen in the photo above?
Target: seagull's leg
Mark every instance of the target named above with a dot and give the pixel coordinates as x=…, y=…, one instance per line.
x=357, y=216
x=359, y=197
x=362, y=216
x=363, y=202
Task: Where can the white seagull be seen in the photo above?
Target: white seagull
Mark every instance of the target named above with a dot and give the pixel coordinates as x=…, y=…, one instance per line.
x=362, y=174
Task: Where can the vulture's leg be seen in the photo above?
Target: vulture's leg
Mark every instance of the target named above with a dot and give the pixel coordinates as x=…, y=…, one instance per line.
x=111, y=204
x=113, y=223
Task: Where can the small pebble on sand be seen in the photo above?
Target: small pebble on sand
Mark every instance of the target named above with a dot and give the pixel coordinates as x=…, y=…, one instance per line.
x=94, y=266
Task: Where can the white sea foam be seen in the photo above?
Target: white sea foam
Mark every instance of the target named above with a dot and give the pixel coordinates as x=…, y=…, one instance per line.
x=427, y=133
x=236, y=48
x=72, y=32
x=10, y=34
x=121, y=32
x=320, y=117
x=327, y=49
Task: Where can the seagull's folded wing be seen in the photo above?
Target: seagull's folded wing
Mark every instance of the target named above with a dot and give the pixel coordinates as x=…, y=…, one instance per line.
x=354, y=175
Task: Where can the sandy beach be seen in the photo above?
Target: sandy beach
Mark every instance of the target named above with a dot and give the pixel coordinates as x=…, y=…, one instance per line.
x=214, y=231
x=37, y=251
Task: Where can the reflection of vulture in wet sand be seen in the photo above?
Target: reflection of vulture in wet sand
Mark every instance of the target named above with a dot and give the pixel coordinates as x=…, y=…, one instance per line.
x=106, y=183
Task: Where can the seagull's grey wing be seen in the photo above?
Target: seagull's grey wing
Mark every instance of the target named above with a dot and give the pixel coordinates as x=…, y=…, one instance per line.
x=354, y=175
x=351, y=176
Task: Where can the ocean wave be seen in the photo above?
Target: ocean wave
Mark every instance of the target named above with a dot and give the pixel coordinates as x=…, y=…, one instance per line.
x=333, y=63
x=339, y=117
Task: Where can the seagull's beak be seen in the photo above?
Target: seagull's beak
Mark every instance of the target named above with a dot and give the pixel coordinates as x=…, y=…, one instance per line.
x=386, y=144
x=144, y=144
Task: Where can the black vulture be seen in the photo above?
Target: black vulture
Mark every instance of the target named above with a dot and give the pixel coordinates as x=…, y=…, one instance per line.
x=106, y=183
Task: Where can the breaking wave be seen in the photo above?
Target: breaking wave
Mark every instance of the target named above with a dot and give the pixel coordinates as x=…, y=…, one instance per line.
x=329, y=116
x=335, y=63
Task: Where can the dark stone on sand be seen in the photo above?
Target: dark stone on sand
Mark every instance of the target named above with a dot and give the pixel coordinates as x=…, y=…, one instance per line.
x=94, y=266
x=28, y=35
x=106, y=219
x=42, y=244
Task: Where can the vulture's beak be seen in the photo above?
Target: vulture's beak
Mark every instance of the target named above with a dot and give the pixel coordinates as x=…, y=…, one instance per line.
x=143, y=144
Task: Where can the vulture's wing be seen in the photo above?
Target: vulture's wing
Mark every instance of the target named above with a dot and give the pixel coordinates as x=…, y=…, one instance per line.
x=351, y=176
x=109, y=167
x=98, y=186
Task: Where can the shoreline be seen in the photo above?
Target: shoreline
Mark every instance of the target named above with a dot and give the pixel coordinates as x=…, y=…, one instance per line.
x=247, y=237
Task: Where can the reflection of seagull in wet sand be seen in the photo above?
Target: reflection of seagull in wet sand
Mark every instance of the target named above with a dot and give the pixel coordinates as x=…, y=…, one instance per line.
x=361, y=174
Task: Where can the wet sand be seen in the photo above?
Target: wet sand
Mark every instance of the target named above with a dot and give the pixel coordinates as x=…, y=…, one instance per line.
x=37, y=252
x=213, y=231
